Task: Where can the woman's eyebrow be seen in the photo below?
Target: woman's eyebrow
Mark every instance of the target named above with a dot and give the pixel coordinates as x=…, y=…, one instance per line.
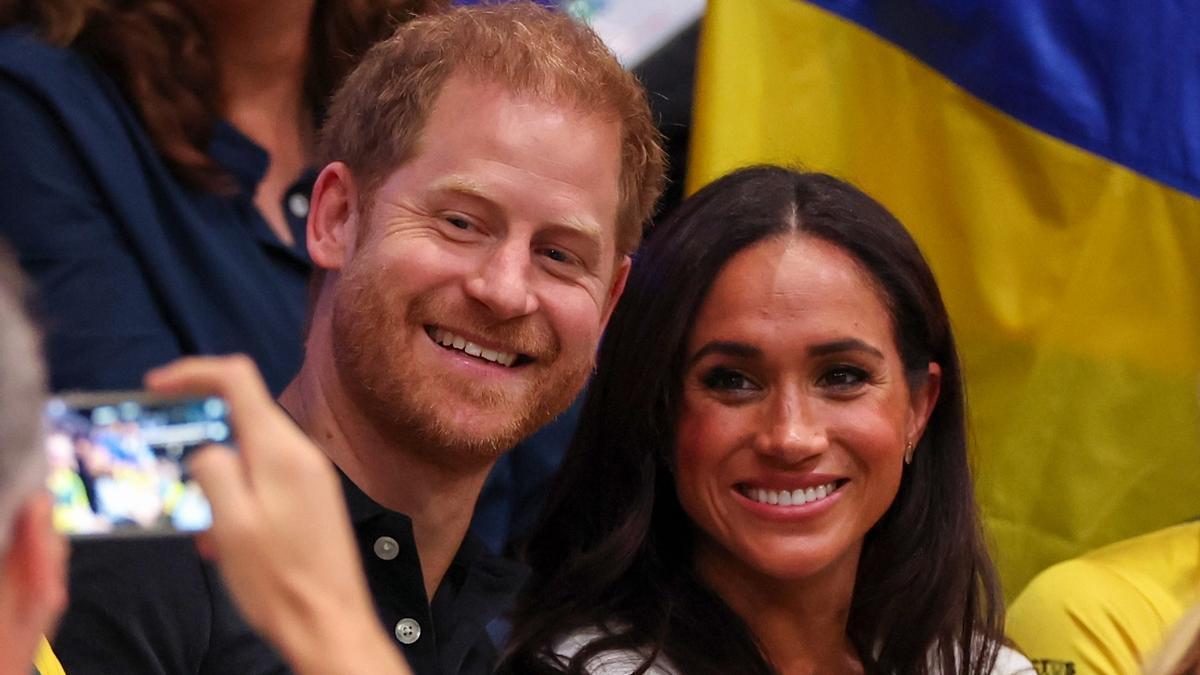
x=845, y=345
x=738, y=349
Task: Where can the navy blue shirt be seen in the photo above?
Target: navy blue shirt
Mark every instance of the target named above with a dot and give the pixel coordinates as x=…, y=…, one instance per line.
x=132, y=268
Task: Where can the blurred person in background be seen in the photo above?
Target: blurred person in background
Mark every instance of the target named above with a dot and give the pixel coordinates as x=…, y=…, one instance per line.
x=33, y=556
x=156, y=184
x=158, y=165
x=1107, y=611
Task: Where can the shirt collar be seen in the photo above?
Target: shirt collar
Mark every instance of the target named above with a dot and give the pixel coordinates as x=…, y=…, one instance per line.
x=362, y=507
x=495, y=574
x=244, y=159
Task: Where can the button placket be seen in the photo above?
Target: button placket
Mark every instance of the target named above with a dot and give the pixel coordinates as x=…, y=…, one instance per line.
x=386, y=548
x=408, y=631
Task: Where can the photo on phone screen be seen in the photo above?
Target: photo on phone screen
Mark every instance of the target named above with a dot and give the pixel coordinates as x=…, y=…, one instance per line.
x=117, y=461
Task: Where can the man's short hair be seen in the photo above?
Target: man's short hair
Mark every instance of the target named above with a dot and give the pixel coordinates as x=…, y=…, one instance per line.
x=22, y=395
x=378, y=114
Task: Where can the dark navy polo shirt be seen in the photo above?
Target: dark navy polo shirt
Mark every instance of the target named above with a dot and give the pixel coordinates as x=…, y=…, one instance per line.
x=453, y=633
x=132, y=268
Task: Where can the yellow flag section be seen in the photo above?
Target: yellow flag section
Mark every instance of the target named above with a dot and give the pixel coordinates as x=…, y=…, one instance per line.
x=1072, y=281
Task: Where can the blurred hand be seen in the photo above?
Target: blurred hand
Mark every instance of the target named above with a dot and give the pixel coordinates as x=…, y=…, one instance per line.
x=281, y=534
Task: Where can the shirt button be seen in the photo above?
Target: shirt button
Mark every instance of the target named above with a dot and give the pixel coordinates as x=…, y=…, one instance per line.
x=298, y=205
x=407, y=631
x=387, y=548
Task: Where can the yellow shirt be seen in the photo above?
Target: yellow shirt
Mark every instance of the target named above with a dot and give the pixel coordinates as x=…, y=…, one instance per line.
x=44, y=660
x=1103, y=612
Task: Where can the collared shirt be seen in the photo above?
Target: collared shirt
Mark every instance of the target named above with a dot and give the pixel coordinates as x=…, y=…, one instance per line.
x=132, y=268
x=152, y=606
x=449, y=635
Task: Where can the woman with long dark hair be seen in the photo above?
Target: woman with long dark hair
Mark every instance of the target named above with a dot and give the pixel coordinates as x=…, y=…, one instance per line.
x=770, y=473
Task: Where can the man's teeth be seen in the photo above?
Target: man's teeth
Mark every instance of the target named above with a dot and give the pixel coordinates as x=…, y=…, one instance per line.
x=798, y=497
x=452, y=341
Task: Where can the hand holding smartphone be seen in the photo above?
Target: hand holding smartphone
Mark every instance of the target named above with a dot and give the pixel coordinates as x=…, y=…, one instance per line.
x=117, y=461
x=281, y=534
x=120, y=465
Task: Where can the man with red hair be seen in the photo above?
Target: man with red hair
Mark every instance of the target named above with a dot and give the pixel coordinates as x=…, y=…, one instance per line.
x=487, y=175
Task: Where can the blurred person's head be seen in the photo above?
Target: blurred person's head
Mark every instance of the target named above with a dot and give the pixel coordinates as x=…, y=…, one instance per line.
x=490, y=170
x=32, y=554
x=162, y=55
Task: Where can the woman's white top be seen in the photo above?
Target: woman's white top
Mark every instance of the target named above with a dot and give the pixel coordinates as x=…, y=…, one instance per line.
x=624, y=661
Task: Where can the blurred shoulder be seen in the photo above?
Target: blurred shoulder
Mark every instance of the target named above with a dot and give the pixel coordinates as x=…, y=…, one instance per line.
x=22, y=51
x=1104, y=609
x=60, y=83
x=1158, y=568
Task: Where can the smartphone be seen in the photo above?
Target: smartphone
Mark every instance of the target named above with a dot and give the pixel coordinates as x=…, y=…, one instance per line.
x=117, y=462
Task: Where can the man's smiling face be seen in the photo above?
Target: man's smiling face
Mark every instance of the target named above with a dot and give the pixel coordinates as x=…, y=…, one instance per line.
x=469, y=309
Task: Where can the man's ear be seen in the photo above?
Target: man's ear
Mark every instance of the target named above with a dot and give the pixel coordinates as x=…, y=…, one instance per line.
x=333, y=217
x=618, y=287
x=35, y=564
x=924, y=398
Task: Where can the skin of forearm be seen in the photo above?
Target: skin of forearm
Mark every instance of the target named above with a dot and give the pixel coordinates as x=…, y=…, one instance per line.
x=341, y=642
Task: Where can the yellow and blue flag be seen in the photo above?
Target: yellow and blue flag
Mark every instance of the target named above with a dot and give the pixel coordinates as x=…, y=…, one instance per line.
x=1046, y=156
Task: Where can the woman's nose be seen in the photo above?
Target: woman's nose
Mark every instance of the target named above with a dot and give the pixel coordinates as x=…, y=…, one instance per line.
x=792, y=430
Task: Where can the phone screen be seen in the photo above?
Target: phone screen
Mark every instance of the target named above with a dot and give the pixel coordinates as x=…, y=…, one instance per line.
x=117, y=462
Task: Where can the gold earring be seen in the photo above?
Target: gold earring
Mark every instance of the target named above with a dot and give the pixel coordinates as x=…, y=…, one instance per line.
x=908, y=452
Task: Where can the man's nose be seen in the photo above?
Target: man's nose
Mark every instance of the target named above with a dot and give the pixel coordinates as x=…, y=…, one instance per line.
x=501, y=281
x=792, y=429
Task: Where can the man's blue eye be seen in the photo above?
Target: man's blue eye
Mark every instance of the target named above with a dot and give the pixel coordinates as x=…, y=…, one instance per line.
x=724, y=378
x=556, y=255
x=459, y=223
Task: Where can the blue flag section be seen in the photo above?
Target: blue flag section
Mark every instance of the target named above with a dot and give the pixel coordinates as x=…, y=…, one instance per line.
x=1119, y=79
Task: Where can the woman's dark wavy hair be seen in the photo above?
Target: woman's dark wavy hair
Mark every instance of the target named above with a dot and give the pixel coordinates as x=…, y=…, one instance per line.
x=158, y=53
x=614, y=547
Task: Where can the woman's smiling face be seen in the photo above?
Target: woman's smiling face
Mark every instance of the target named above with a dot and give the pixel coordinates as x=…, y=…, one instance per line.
x=795, y=413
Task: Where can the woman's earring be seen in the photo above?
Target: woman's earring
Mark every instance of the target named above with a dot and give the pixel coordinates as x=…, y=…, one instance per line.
x=908, y=452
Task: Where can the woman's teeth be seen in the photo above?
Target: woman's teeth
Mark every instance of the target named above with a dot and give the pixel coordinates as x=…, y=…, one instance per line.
x=797, y=497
